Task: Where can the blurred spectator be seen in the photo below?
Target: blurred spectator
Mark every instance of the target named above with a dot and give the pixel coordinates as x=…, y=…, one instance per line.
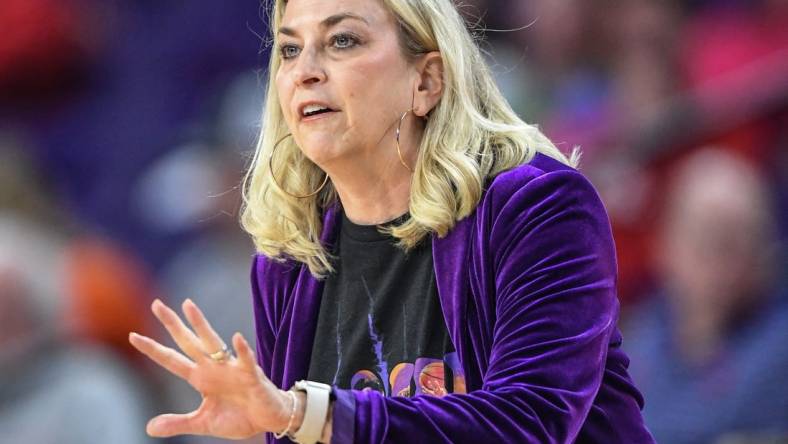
x=109, y=293
x=53, y=390
x=60, y=381
x=708, y=352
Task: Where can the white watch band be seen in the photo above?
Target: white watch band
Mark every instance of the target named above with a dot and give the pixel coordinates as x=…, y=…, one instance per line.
x=317, y=400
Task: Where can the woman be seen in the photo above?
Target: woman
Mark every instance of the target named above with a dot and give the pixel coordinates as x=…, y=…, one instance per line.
x=434, y=265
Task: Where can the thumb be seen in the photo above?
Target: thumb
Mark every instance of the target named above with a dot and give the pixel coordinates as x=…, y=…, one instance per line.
x=174, y=424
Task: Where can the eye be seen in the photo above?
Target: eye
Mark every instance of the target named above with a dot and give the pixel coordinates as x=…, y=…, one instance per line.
x=344, y=41
x=288, y=51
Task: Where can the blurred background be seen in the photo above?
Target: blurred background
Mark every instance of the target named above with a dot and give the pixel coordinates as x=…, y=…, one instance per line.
x=125, y=128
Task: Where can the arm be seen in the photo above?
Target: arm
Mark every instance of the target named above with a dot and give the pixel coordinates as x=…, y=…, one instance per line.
x=553, y=266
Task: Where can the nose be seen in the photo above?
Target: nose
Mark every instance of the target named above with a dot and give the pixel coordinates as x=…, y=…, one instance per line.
x=308, y=70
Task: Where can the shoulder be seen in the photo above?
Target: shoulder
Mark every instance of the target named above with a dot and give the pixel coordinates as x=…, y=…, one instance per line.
x=538, y=185
x=541, y=209
x=539, y=165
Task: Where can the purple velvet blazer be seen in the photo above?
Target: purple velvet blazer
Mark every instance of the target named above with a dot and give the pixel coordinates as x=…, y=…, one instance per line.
x=527, y=284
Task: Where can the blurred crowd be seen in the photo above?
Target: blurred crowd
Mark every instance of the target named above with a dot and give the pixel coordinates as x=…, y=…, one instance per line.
x=125, y=128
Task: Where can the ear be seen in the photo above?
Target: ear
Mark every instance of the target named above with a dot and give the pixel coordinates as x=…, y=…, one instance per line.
x=429, y=88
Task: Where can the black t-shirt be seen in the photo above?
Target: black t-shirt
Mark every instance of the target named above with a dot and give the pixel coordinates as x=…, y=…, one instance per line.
x=380, y=325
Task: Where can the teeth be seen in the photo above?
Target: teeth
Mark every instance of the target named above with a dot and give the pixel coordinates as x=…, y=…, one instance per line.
x=312, y=109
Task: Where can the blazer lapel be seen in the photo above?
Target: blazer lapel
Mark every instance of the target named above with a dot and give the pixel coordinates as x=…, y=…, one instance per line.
x=450, y=255
x=303, y=309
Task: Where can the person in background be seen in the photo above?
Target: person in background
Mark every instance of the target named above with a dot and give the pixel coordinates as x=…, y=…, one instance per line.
x=50, y=383
x=62, y=378
x=709, y=350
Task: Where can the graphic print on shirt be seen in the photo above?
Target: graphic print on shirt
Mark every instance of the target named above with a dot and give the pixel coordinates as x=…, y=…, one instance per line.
x=377, y=343
x=426, y=376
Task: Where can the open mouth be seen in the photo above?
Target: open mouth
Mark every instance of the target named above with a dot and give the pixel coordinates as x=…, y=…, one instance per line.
x=315, y=110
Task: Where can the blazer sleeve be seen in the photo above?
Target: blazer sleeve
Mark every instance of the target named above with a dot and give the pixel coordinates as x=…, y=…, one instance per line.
x=264, y=317
x=552, y=257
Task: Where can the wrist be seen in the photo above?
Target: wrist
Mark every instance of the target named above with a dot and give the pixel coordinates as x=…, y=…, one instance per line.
x=298, y=419
x=288, y=415
x=312, y=417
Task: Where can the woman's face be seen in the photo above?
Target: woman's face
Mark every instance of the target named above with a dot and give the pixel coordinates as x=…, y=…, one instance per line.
x=343, y=56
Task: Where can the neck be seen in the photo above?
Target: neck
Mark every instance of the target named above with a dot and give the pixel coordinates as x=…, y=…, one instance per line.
x=374, y=186
x=373, y=192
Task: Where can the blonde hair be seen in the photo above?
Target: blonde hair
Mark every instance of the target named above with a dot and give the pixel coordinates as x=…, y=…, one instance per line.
x=471, y=136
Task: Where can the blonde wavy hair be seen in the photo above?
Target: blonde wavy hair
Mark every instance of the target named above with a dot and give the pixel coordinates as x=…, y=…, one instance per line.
x=471, y=136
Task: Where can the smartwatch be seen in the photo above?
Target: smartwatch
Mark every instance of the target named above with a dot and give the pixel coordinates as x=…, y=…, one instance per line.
x=317, y=401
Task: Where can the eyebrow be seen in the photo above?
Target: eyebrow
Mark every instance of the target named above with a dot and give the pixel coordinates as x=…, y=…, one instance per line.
x=326, y=23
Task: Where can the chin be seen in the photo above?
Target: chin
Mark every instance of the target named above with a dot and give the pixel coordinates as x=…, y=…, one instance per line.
x=321, y=153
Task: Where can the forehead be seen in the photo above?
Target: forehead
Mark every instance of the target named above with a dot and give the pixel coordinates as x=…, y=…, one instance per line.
x=310, y=13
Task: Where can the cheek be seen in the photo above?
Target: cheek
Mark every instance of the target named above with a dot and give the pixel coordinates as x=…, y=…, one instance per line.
x=376, y=92
x=285, y=93
x=380, y=76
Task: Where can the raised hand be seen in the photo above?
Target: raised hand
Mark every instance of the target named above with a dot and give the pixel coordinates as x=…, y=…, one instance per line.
x=239, y=401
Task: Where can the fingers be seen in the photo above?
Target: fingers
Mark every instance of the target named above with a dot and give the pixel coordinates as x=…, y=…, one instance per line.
x=166, y=357
x=246, y=355
x=212, y=342
x=171, y=424
x=185, y=338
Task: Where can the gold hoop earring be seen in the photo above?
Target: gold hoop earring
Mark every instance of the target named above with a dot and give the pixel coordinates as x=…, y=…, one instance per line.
x=399, y=151
x=276, y=182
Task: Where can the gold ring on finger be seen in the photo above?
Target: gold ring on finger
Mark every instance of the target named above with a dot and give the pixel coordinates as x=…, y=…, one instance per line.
x=221, y=355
